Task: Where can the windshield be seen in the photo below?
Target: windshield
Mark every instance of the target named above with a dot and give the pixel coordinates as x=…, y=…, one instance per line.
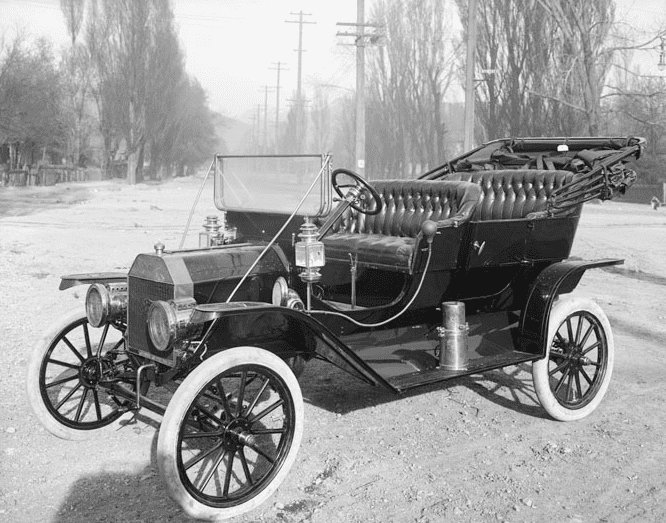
x=272, y=184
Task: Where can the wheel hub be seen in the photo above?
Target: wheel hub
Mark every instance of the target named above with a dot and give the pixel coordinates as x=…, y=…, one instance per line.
x=573, y=354
x=90, y=373
x=237, y=434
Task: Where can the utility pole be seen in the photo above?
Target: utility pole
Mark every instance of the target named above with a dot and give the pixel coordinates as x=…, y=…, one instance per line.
x=360, y=36
x=264, y=149
x=299, y=91
x=468, y=139
x=258, y=127
x=300, y=49
x=360, y=88
x=280, y=67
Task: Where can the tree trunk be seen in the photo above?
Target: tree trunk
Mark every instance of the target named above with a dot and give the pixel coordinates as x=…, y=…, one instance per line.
x=131, y=167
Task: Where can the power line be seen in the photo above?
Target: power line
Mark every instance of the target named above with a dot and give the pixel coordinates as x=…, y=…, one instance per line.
x=265, y=137
x=360, y=35
x=279, y=68
x=299, y=92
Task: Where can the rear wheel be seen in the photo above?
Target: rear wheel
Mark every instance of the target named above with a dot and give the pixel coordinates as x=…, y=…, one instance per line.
x=66, y=375
x=572, y=379
x=231, y=433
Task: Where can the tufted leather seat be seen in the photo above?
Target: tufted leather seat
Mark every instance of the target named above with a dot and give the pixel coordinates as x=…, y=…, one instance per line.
x=387, y=240
x=512, y=193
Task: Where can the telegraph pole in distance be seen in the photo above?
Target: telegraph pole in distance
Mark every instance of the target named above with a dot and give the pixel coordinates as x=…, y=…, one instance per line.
x=360, y=88
x=277, y=99
x=468, y=138
x=265, y=137
x=299, y=92
x=258, y=126
x=360, y=35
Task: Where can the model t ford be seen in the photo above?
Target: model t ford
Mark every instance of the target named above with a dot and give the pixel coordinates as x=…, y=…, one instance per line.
x=401, y=283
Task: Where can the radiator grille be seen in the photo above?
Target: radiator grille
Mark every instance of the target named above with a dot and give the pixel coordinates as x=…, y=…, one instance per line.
x=141, y=293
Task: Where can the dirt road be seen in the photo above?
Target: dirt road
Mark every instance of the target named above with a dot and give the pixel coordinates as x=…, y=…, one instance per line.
x=480, y=449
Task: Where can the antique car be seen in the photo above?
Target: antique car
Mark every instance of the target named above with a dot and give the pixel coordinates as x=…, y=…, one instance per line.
x=400, y=283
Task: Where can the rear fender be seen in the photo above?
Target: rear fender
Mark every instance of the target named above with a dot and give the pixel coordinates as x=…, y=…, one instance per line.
x=280, y=329
x=72, y=280
x=558, y=278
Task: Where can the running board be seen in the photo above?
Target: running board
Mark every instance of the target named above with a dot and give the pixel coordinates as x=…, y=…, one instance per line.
x=426, y=377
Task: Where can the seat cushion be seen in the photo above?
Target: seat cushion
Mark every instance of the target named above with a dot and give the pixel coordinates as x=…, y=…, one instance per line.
x=512, y=193
x=387, y=240
x=406, y=204
x=375, y=251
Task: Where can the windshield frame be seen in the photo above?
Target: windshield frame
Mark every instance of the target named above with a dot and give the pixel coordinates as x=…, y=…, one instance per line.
x=322, y=187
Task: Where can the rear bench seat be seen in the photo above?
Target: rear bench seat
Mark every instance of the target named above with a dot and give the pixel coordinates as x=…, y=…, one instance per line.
x=513, y=193
x=387, y=240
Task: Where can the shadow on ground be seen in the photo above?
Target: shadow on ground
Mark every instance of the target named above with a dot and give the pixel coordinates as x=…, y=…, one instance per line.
x=332, y=389
x=142, y=496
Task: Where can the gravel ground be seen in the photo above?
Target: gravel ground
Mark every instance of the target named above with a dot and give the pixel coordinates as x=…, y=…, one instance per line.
x=474, y=450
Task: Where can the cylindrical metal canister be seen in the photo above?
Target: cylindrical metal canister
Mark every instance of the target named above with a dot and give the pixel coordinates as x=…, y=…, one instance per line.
x=453, y=337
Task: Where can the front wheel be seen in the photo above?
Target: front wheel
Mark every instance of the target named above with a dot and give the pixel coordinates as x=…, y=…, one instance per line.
x=572, y=379
x=67, y=373
x=231, y=433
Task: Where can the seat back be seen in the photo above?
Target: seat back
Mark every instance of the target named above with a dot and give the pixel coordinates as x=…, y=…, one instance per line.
x=406, y=204
x=513, y=193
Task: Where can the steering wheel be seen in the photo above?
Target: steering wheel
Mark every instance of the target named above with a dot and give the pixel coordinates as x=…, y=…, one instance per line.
x=359, y=183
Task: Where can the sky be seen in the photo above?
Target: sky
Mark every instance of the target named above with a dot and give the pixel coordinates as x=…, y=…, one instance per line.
x=231, y=45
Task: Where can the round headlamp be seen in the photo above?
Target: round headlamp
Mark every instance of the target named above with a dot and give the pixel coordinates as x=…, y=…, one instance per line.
x=169, y=322
x=97, y=304
x=280, y=292
x=283, y=296
x=105, y=303
x=162, y=325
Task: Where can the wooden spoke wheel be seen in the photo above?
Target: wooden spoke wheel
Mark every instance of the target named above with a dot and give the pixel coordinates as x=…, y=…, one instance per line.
x=231, y=433
x=572, y=379
x=67, y=372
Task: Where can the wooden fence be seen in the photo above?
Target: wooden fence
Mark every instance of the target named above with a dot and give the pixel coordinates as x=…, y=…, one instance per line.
x=42, y=175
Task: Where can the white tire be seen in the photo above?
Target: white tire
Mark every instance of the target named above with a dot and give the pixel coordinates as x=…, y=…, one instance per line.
x=63, y=378
x=572, y=378
x=230, y=433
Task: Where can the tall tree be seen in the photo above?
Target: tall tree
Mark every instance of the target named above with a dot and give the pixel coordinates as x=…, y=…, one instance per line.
x=77, y=82
x=543, y=65
x=124, y=46
x=409, y=77
x=292, y=139
x=31, y=101
x=320, y=116
x=72, y=10
x=142, y=91
x=584, y=53
x=167, y=87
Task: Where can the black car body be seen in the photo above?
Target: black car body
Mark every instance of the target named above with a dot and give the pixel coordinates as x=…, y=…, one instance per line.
x=401, y=283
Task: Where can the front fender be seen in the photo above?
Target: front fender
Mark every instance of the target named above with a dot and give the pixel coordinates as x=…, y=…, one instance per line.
x=558, y=278
x=72, y=280
x=269, y=326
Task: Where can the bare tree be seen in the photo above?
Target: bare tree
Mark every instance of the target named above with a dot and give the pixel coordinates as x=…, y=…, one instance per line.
x=73, y=13
x=32, y=119
x=344, y=138
x=409, y=77
x=77, y=81
x=195, y=138
x=292, y=138
x=143, y=95
x=320, y=116
x=123, y=47
x=167, y=87
x=515, y=46
x=584, y=53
